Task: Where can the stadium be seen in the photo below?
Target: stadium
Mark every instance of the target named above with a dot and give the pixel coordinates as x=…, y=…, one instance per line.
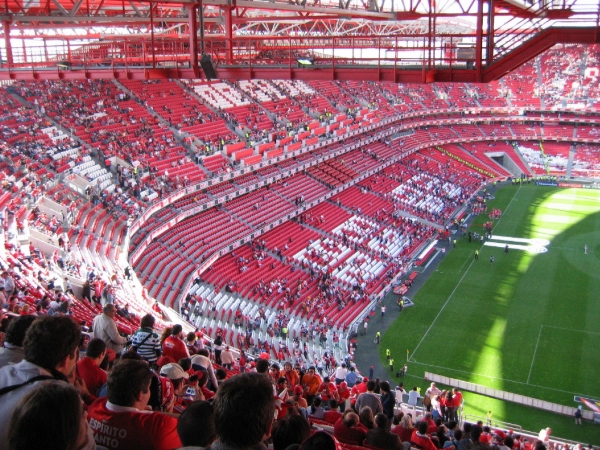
x=410, y=190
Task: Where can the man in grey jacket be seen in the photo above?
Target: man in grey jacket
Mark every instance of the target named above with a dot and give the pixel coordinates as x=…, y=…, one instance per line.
x=105, y=328
x=369, y=399
x=12, y=349
x=51, y=353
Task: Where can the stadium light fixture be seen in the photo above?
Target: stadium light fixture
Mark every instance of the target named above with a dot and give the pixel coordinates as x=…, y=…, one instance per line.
x=305, y=62
x=64, y=65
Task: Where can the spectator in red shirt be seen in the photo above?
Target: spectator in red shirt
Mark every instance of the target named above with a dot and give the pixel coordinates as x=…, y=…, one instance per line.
x=349, y=430
x=432, y=427
x=333, y=413
x=122, y=421
x=202, y=381
x=291, y=375
x=174, y=347
x=358, y=388
x=420, y=439
x=328, y=390
x=89, y=369
x=344, y=394
x=405, y=428
x=456, y=403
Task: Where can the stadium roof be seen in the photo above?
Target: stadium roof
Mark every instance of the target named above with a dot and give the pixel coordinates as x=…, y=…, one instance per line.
x=389, y=40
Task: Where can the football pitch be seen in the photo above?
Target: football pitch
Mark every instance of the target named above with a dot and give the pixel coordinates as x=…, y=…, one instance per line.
x=528, y=322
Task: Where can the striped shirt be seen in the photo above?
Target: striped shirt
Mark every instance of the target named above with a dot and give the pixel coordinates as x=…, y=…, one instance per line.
x=150, y=349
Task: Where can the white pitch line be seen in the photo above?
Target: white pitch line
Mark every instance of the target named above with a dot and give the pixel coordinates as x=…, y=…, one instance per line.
x=508, y=206
x=534, y=353
x=456, y=287
x=527, y=248
x=463, y=264
x=503, y=379
x=571, y=329
x=495, y=237
x=441, y=310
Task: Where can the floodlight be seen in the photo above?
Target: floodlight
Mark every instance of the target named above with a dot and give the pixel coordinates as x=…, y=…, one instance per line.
x=64, y=65
x=305, y=61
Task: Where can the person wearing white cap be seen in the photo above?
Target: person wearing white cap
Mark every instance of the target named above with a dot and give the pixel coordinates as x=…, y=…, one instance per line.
x=177, y=375
x=201, y=361
x=174, y=372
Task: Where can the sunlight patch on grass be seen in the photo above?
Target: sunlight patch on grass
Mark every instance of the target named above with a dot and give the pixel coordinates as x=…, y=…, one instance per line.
x=490, y=359
x=525, y=261
x=577, y=204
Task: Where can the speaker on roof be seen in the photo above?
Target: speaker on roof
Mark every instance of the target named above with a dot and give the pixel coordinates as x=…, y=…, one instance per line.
x=208, y=67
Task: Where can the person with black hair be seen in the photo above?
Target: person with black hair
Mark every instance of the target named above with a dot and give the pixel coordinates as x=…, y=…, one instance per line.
x=464, y=437
x=388, y=399
x=145, y=341
x=262, y=365
x=316, y=411
x=319, y=441
x=454, y=439
x=369, y=399
x=442, y=434
x=173, y=346
x=333, y=413
x=221, y=375
x=65, y=429
x=420, y=438
x=122, y=421
x=218, y=346
x=190, y=342
x=12, y=348
x=89, y=369
x=290, y=430
x=51, y=351
x=476, y=432
x=202, y=390
x=196, y=426
x=382, y=438
x=244, y=410
x=185, y=363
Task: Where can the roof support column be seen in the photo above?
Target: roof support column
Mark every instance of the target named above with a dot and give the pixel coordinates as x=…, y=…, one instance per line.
x=152, y=36
x=227, y=10
x=9, y=55
x=193, y=28
x=490, y=34
x=479, y=41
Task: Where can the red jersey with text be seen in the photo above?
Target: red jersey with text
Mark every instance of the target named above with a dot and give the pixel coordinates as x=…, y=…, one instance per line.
x=116, y=427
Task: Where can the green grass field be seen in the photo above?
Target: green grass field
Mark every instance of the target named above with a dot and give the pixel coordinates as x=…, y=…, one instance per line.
x=530, y=322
